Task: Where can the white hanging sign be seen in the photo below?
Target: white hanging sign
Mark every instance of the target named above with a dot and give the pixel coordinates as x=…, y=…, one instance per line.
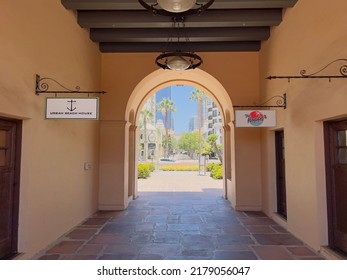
x=255, y=118
x=72, y=108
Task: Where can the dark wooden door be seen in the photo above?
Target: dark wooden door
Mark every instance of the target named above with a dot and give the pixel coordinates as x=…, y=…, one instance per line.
x=9, y=187
x=281, y=174
x=336, y=169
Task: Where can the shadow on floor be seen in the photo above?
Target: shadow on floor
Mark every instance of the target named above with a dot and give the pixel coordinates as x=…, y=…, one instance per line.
x=179, y=226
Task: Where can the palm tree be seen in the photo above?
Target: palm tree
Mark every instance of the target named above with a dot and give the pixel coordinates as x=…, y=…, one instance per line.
x=165, y=106
x=198, y=95
x=146, y=115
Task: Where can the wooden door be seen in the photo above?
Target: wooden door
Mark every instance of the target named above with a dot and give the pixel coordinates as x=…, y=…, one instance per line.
x=9, y=187
x=336, y=169
x=281, y=174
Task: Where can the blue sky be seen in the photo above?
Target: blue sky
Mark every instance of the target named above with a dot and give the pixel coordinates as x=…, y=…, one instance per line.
x=185, y=108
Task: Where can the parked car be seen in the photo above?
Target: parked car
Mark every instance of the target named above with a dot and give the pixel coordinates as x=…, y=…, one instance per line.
x=166, y=160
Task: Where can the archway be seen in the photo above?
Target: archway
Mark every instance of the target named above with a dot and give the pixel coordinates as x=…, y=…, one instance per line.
x=201, y=80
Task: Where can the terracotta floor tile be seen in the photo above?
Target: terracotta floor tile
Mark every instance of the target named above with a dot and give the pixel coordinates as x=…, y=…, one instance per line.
x=167, y=237
x=260, y=229
x=234, y=240
x=279, y=229
x=118, y=256
x=149, y=257
x=107, y=214
x=81, y=234
x=65, y=247
x=277, y=239
x=91, y=249
x=183, y=227
x=198, y=242
x=110, y=239
x=257, y=221
x=161, y=249
x=272, y=253
x=50, y=257
x=236, y=247
x=80, y=257
x=234, y=255
x=190, y=219
x=141, y=238
x=256, y=214
x=179, y=225
x=301, y=251
x=116, y=228
x=145, y=226
x=95, y=221
x=132, y=249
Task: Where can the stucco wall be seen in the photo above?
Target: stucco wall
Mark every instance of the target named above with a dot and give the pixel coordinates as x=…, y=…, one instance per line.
x=56, y=193
x=312, y=34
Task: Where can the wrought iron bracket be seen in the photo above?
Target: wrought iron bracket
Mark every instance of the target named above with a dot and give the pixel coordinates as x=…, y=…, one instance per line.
x=281, y=102
x=42, y=86
x=316, y=75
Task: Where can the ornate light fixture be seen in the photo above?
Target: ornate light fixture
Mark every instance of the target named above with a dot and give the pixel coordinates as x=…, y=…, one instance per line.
x=178, y=60
x=176, y=7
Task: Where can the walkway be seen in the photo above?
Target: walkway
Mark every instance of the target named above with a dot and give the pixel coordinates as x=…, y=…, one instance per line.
x=188, y=219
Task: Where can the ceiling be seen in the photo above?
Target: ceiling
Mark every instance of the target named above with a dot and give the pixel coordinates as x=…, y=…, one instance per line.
x=227, y=26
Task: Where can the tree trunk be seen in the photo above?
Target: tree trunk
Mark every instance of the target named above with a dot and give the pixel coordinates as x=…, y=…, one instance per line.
x=217, y=151
x=166, y=135
x=199, y=124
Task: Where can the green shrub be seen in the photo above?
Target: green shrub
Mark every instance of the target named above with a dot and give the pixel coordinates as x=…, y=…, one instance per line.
x=217, y=171
x=143, y=170
x=210, y=166
x=169, y=167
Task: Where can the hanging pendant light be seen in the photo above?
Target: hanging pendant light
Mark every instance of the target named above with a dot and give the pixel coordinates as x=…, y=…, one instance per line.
x=178, y=61
x=176, y=7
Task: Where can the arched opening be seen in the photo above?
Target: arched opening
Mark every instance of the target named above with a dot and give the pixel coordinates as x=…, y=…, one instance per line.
x=200, y=80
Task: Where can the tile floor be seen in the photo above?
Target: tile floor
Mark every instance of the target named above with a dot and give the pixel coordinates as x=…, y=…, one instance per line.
x=175, y=225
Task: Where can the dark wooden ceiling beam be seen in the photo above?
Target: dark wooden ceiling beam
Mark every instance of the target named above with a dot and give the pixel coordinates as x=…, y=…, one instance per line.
x=210, y=18
x=191, y=34
x=197, y=47
x=134, y=4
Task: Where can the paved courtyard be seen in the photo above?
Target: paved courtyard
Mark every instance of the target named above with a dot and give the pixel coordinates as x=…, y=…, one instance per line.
x=179, y=216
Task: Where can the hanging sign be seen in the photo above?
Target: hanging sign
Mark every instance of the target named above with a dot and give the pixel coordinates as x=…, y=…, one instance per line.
x=255, y=118
x=72, y=108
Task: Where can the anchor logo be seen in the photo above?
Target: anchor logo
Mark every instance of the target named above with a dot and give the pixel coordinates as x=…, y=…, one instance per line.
x=72, y=108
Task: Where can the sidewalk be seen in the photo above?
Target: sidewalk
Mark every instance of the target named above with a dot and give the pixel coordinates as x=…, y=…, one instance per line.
x=176, y=217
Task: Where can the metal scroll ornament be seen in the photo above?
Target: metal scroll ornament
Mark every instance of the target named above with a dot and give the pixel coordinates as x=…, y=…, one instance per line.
x=317, y=75
x=280, y=102
x=43, y=84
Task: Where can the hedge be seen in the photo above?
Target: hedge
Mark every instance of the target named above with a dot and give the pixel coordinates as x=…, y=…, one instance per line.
x=143, y=170
x=169, y=167
x=217, y=171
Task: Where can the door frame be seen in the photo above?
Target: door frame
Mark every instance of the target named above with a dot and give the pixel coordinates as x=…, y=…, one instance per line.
x=16, y=183
x=329, y=156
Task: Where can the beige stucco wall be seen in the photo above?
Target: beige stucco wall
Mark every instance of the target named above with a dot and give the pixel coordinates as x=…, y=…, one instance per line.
x=312, y=34
x=237, y=73
x=40, y=36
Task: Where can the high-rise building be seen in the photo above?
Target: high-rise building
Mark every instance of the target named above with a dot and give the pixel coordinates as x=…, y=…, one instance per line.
x=159, y=96
x=193, y=123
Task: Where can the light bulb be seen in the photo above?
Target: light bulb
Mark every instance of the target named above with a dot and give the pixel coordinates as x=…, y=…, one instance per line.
x=176, y=6
x=178, y=63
